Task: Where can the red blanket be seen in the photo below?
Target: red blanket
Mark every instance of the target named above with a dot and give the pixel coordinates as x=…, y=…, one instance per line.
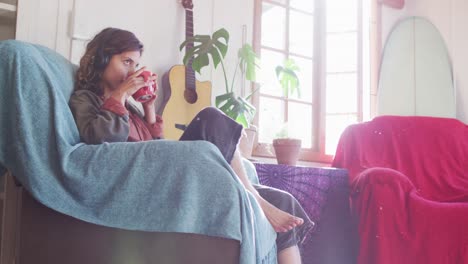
x=409, y=180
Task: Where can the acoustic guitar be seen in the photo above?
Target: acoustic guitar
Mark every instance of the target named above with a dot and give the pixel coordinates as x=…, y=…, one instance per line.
x=184, y=94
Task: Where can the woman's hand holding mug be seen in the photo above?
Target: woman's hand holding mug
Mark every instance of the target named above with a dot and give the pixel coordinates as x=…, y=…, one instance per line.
x=134, y=83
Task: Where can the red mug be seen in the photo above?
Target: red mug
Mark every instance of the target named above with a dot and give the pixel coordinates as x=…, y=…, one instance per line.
x=146, y=93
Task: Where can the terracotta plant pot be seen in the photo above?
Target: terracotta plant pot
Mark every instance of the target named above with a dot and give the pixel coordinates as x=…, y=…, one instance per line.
x=247, y=140
x=287, y=150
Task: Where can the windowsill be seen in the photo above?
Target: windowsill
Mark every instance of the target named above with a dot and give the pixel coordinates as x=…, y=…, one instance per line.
x=307, y=157
x=299, y=163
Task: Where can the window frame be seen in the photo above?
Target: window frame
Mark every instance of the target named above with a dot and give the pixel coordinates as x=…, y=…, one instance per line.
x=317, y=154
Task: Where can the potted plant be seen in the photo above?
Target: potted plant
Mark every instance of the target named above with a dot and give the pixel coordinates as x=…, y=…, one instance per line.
x=234, y=106
x=287, y=149
x=204, y=47
x=216, y=47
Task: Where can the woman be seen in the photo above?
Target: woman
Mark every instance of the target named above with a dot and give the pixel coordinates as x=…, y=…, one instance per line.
x=108, y=76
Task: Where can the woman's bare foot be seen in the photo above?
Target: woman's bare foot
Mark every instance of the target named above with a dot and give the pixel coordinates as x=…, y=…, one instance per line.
x=280, y=220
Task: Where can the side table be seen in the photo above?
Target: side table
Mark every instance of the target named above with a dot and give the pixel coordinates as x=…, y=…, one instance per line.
x=324, y=195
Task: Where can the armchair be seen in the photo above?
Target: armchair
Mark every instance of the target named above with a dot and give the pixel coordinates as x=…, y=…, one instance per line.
x=149, y=202
x=409, y=188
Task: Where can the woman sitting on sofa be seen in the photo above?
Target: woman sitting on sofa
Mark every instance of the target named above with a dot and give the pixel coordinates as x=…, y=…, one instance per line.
x=108, y=76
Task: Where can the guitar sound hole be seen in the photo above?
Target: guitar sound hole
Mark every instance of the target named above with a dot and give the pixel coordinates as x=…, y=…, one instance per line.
x=190, y=96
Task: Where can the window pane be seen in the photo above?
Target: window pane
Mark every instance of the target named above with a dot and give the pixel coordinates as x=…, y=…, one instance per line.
x=306, y=76
x=267, y=76
x=342, y=52
x=271, y=115
x=305, y=5
x=273, y=26
x=341, y=93
x=341, y=15
x=301, y=33
x=300, y=123
x=335, y=125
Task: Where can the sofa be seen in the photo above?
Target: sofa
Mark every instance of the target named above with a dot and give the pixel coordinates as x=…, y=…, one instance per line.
x=34, y=233
x=409, y=188
x=149, y=202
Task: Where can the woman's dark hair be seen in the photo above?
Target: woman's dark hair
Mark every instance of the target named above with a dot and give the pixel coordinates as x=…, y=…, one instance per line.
x=99, y=51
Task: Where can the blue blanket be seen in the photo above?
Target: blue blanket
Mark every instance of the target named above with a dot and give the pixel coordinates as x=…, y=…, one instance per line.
x=163, y=186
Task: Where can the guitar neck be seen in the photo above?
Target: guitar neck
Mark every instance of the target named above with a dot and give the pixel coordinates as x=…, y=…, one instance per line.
x=189, y=73
x=189, y=25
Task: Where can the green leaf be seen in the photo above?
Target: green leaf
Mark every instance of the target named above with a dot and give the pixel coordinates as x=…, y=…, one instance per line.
x=248, y=61
x=221, y=98
x=200, y=62
x=204, y=47
x=242, y=119
x=287, y=78
x=247, y=105
x=236, y=108
x=218, y=36
x=188, y=55
x=216, y=57
x=186, y=42
x=199, y=50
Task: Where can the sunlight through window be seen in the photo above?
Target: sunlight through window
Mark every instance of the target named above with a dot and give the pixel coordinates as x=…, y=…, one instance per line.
x=327, y=40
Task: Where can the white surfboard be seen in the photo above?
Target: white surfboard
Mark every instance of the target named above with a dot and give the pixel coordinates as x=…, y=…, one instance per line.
x=416, y=72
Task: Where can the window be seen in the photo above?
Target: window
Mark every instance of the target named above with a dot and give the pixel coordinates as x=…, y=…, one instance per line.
x=326, y=40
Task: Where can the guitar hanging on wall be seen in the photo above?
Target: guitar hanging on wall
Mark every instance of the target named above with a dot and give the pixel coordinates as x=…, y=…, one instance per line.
x=186, y=96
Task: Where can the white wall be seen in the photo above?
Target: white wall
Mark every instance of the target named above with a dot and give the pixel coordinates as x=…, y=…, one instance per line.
x=451, y=18
x=159, y=24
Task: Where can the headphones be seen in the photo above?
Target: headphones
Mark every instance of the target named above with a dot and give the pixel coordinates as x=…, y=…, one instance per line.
x=102, y=59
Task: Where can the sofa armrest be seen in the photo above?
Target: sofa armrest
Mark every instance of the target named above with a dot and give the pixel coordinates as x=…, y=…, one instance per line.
x=380, y=175
x=377, y=191
x=11, y=197
x=395, y=220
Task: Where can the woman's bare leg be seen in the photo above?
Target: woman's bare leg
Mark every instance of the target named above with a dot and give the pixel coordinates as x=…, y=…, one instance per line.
x=290, y=255
x=280, y=220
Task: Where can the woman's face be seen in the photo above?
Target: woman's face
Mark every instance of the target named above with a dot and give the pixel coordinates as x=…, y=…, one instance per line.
x=120, y=66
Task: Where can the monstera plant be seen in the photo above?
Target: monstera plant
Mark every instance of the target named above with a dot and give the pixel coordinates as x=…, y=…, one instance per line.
x=287, y=77
x=204, y=47
x=200, y=48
